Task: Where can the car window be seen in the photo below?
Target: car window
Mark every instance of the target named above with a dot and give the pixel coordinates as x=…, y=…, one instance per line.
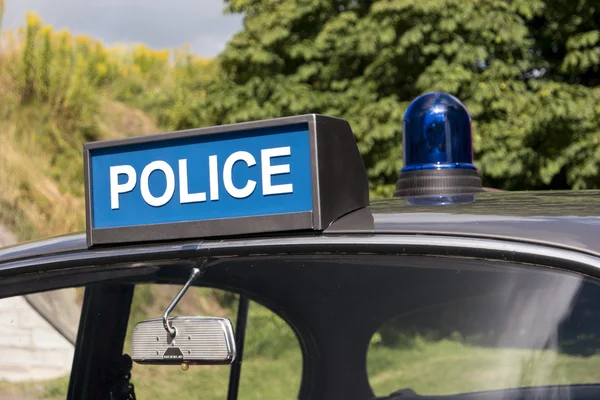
x=272, y=361
x=468, y=330
x=272, y=366
x=37, y=336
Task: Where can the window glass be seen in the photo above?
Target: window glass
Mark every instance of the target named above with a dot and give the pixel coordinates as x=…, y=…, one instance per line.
x=467, y=330
x=37, y=336
x=160, y=381
x=272, y=363
x=272, y=366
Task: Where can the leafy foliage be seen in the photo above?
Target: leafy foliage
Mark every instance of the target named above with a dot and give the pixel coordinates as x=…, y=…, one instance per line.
x=526, y=69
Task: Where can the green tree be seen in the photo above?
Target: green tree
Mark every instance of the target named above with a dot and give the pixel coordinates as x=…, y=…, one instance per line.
x=526, y=69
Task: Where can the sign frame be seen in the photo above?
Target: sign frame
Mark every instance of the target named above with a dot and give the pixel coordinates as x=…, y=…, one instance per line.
x=339, y=185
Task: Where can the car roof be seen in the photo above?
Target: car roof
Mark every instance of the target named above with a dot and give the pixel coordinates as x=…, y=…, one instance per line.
x=565, y=219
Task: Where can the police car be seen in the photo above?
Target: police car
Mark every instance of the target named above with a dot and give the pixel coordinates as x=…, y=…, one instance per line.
x=503, y=284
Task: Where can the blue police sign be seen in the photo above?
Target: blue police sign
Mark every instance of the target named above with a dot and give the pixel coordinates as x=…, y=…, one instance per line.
x=259, y=172
x=255, y=177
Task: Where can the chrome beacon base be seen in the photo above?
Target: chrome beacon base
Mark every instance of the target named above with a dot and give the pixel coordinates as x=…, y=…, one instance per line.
x=438, y=182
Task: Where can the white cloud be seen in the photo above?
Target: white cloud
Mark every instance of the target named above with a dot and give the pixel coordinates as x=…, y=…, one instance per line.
x=157, y=23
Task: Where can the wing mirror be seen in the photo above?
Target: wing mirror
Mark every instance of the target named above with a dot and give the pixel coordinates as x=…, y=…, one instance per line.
x=183, y=340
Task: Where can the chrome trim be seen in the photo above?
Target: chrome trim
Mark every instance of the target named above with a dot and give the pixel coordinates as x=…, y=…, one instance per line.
x=380, y=239
x=321, y=244
x=506, y=248
x=200, y=341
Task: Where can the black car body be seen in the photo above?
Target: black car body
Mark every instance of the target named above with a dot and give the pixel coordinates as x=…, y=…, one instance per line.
x=506, y=262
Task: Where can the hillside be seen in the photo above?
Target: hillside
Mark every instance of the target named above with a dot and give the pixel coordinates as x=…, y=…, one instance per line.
x=6, y=237
x=37, y=197
x=57, y=91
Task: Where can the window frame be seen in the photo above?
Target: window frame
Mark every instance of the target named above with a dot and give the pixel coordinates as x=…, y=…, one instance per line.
x=100, y=268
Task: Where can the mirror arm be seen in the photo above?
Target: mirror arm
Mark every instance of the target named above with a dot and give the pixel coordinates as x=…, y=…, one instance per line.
x=196, y=273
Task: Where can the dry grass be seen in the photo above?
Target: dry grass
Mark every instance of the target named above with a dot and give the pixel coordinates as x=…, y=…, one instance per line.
x=119, y=120
x=58, y=91
x=32, y=202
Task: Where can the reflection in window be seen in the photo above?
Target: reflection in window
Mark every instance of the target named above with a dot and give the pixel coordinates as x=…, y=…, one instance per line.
x=527, y=328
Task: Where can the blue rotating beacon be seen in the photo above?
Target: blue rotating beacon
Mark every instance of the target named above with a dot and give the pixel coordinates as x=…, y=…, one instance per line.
x=438, y=150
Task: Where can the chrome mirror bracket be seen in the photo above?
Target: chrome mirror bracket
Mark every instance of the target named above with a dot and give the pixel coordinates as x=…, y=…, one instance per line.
x=195, y=274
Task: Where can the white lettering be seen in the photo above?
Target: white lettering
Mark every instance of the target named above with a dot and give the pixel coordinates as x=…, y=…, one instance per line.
x=213, y=172
x=269, y=170
x=169, y=190
x=116, y=188
x=184, y=195
x=228, y=181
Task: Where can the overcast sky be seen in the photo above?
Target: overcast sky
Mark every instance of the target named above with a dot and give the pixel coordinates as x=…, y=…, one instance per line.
x=157, y=23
